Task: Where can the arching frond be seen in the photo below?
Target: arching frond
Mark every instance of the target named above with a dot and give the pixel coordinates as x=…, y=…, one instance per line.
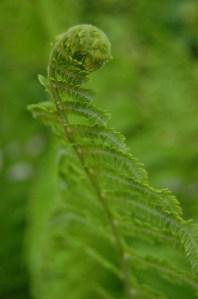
x=108, y=215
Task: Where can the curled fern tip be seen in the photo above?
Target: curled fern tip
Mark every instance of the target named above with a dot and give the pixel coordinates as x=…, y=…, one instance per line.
x=85, y=46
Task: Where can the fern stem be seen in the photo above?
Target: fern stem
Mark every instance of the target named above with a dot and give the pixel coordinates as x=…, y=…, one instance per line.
x=63, y=120
x=101, y=197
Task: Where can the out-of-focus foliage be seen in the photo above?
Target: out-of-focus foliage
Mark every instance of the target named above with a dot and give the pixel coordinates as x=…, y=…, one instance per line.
x=150, y=87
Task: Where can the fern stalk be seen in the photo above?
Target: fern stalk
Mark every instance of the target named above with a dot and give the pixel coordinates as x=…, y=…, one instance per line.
x=62, y=117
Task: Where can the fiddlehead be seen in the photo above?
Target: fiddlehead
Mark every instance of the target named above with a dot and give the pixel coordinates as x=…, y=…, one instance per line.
x=96, y=158
x=78, y=52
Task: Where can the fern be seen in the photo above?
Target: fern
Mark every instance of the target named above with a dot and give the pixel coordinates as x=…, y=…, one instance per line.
x=109, y=224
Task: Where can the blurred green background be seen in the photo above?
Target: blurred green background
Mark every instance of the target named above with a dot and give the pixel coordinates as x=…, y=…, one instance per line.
x=150, y=88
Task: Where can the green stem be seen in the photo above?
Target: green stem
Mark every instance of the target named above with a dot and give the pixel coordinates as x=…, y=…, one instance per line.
x=101, y=197
x=89, y=172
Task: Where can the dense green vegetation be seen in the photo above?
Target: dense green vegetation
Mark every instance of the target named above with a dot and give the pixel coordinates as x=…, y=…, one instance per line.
x=150, y=89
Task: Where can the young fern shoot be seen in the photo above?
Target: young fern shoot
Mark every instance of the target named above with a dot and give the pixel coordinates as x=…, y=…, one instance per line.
x=134, y=215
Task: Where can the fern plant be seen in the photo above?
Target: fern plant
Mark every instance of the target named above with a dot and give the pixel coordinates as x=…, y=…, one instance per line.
x=108, y=234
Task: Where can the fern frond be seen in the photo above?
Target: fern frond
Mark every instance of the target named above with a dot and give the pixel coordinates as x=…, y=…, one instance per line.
x=98, y=156
x=77, y=93
x=162, y=200
x=93, y=254
x=44, y=111
x=166, y=270
x=92, y=114
x=101, y=133
x=108, y=208
x=189, y=238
